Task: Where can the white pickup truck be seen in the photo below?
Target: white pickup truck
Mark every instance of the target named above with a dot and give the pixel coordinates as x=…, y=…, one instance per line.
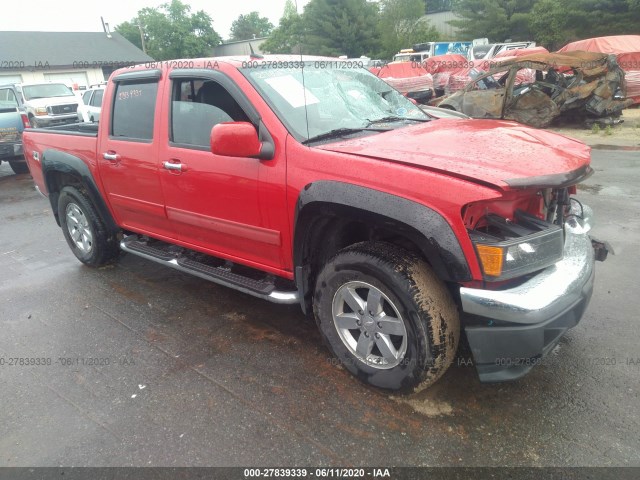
x=47, y=104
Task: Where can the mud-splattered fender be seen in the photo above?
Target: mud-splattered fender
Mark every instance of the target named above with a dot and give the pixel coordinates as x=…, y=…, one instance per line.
x=422, y=225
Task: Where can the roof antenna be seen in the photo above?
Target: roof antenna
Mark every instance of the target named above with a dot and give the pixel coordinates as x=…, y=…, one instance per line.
x=105, y=27
x=254, y=54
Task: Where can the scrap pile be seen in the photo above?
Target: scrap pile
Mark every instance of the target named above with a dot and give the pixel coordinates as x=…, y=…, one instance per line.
x=626, y=48
x=409, y=78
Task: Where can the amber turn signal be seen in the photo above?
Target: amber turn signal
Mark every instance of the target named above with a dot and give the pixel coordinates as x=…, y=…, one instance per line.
x=491, y=259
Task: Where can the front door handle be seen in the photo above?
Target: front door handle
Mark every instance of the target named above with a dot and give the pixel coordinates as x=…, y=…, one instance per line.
x=111, y=156
x=173, y=166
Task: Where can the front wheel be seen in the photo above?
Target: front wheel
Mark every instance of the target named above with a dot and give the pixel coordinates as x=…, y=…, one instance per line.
x=386, y=316
x=84, y=230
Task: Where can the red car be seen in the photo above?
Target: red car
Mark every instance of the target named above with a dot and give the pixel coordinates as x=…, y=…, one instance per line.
x=309, y=180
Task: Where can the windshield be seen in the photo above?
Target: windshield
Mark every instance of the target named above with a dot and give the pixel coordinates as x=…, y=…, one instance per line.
x=46, y=90
x=335, y=97
x=480, y=51
x=402, y=57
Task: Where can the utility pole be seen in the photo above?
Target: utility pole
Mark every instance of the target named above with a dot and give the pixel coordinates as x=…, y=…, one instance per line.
x=144, y=48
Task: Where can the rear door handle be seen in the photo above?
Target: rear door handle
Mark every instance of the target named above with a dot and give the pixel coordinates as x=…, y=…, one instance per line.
x=111, y=156
x=173, y=166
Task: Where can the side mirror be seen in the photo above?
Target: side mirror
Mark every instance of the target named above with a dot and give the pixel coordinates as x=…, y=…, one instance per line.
x=235, y=139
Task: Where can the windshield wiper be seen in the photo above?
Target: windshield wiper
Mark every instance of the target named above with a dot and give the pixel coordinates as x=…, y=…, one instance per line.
x=339, y=132
x=396, y=119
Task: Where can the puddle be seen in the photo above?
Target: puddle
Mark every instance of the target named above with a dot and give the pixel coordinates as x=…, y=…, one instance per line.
x=625, y=148
x=590, y=188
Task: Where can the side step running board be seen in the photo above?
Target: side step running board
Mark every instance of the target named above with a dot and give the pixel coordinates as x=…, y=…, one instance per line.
x=222, y=275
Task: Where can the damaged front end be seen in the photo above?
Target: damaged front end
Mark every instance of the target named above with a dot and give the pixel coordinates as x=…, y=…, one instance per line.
x=538, y=269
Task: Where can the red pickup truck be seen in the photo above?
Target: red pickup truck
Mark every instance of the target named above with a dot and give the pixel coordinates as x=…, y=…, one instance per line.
x=305, y=180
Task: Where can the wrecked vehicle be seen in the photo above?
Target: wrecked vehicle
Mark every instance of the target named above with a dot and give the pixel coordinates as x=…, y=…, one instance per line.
x=537, y=89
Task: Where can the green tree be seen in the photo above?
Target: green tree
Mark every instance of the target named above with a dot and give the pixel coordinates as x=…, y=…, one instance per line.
x=555, y=23
x=401, y=26
x=341, y=27
x=287, y=37
x=172, y=31
x=497, y=20
x=131, y=32
x=437, y=5
x=250, y=26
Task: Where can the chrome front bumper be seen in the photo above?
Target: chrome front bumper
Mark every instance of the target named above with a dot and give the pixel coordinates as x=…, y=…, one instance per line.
x=509, y=327
x=57, y=119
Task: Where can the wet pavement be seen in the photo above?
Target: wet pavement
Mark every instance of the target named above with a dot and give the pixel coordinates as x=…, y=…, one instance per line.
x=142, y=365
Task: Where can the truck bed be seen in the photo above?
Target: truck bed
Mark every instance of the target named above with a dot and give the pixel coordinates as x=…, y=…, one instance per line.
x=52, y=142
x=87, y=129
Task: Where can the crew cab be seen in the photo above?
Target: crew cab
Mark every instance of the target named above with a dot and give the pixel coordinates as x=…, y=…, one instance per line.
x=304, y=180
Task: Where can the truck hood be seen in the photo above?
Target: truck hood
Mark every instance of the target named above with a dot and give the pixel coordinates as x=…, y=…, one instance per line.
x=48, y=102
x=498, y=153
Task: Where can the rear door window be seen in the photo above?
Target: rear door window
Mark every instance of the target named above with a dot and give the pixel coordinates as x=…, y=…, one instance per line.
x=134, y=110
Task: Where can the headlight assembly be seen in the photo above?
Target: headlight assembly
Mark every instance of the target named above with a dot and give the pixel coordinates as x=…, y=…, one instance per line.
x=512, y=249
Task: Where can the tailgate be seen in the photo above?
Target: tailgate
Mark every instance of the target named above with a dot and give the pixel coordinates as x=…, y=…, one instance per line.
x=10, y=131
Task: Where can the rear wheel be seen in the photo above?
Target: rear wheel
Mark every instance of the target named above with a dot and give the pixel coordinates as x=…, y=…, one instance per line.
x=386, y=316
x=84, y=230
x=19, y=166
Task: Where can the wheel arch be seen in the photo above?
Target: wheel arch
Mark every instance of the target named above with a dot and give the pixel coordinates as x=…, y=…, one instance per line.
x=61, y=169
x=328, y=213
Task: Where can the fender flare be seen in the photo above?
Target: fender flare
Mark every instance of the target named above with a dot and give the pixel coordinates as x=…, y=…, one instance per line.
x=428, y=228
x=62, y=162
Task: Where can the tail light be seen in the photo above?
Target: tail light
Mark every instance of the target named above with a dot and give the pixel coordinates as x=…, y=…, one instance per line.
x=25, y=121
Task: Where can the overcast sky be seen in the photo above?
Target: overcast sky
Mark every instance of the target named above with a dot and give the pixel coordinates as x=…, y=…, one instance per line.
x=74, y=16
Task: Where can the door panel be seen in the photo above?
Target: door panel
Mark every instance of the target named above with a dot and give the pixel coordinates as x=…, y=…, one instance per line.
x=215, y=201
x=128, y=160
x=483, y=103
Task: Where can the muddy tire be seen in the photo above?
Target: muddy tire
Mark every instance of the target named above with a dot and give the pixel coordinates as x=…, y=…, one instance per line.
x=19, y=166
x=386, y=316
x=84, y=230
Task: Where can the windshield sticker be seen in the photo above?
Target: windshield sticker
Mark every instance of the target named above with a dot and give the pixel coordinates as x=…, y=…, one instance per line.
x=292, y=91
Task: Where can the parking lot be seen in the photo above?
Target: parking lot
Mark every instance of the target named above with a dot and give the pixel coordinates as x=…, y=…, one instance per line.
x=142, y=365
